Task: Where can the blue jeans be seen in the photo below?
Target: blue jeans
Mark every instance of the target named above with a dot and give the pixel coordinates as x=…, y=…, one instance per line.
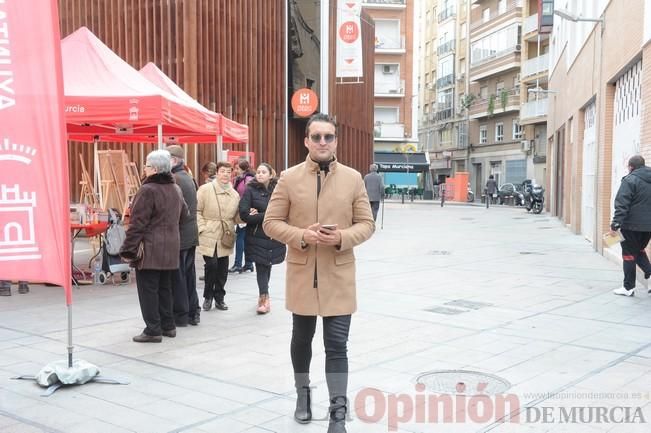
x=240, y=240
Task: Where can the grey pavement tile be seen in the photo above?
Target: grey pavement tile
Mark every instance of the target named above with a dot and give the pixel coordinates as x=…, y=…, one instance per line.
x=6, y=421
x=22, y=428
x=96, y=426
x=175, y=411
x=224, y=424
x=208, y=403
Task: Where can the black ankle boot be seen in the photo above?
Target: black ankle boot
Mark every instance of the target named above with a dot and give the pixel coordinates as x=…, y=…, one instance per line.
x=338, y=410
x=303, y=412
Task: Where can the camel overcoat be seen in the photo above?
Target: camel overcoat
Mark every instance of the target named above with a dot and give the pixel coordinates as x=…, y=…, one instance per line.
x=320, y=279
x=209, y=217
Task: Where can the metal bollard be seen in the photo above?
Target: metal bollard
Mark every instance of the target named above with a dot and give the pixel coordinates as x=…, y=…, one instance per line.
x=403, y=197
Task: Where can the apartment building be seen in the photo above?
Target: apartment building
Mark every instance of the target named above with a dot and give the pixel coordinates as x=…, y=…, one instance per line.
x=395, y=115
x=534, y=92
x=443, y=85
x=599, y=108
x=496, y=134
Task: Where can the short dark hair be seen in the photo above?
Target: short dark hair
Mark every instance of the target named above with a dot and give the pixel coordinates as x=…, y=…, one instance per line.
x=210, y=168
x=319, y=117
x=636, y=162
x=224, y=164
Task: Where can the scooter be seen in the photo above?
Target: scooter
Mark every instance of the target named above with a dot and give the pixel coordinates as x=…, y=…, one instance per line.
x=470, y=197
x=534, y=198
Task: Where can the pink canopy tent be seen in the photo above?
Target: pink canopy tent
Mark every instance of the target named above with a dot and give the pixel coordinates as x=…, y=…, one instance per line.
x=106, y=97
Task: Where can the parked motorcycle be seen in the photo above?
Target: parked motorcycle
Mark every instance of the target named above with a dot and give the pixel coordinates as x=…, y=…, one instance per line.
x=534, y=198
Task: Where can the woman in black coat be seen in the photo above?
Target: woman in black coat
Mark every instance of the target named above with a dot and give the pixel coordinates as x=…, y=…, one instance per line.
x=260, y=248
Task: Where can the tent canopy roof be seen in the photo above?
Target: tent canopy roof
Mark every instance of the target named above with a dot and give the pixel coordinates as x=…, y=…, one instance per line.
x=106, y=97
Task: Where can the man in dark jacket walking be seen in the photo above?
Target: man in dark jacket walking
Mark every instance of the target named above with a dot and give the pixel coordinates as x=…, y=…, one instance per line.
x=186, y=301
x=633, y=218
x=374, y=189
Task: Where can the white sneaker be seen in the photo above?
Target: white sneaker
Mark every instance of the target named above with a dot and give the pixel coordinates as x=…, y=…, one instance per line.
x=624, y=292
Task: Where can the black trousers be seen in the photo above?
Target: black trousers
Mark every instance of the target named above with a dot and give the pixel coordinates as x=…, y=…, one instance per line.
x=335, y=340
x=263, y=273
x=216, y=276
x=375, y=207
x=633, y=253
x=155, y=297
x=184, y=287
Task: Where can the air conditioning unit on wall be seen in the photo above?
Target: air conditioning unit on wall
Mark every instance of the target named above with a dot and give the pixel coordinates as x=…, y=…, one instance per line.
x=526, y=145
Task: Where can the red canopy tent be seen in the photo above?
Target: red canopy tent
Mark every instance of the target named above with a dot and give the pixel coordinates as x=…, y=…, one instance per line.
x=106, y=97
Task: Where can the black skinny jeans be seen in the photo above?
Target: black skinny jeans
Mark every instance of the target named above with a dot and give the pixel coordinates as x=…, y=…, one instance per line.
x=216, y=275
x=263, y=273
x=335, y=339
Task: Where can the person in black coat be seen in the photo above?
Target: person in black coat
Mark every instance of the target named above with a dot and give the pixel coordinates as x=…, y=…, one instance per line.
x=633, y=217
x=184, y=282
x=260, y=248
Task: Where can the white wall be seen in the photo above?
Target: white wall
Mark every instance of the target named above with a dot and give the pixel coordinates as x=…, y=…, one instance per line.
x=647, y=21
x=573, y=35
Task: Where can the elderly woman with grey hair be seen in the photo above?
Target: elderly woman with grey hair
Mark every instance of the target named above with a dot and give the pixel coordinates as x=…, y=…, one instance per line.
x=157, y=210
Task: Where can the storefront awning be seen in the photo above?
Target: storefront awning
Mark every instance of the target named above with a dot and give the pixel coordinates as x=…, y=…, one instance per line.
x=401, y=162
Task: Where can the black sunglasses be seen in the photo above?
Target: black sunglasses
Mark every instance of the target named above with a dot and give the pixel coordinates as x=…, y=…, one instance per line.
x=328, y=138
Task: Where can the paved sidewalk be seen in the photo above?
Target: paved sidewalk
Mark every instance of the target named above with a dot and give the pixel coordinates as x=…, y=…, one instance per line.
x=494, y=291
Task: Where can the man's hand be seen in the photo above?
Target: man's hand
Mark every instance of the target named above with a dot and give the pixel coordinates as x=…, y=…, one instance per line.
x=329, y=237
x=253, y=211
x=311, y=234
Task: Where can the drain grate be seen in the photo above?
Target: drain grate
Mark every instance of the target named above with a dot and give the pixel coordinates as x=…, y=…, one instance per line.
x=545, y=228
x=472, y=305
x=467, y=219
x=445, y=310
x=519, y=218
x=463, y=382
x=439, y=253
x=531, y=253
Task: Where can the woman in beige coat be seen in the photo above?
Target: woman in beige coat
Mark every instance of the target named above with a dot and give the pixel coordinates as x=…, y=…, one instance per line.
x=217, y=211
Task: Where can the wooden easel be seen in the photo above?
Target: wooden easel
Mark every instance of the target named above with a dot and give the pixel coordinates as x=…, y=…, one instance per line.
x=114, y=179
x=87, y=194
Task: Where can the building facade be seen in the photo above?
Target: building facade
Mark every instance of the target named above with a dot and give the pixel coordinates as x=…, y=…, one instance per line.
x=444, y=84
x=534, y=92
x=599, y=116
x=496, y=134
x=395, y=117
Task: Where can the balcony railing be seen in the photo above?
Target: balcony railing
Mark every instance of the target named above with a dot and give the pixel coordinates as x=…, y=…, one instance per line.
x=535, y=66
x=533, y=109
x=389, y=130
x=511, y=6
x=446, y=47
x=480, y=108
x=446, y=13
x=388, y=44
x=530, y=24
x=448, y=80
x=384, y=3
x=390, y=89
x=444, y=114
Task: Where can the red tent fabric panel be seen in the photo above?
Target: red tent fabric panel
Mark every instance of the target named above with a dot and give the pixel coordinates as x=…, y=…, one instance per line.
x=104, y=93
x=34, y=181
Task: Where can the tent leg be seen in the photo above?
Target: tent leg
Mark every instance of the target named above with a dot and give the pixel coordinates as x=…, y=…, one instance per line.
x=160, y=135
x=220, y=147
x=70, y=347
